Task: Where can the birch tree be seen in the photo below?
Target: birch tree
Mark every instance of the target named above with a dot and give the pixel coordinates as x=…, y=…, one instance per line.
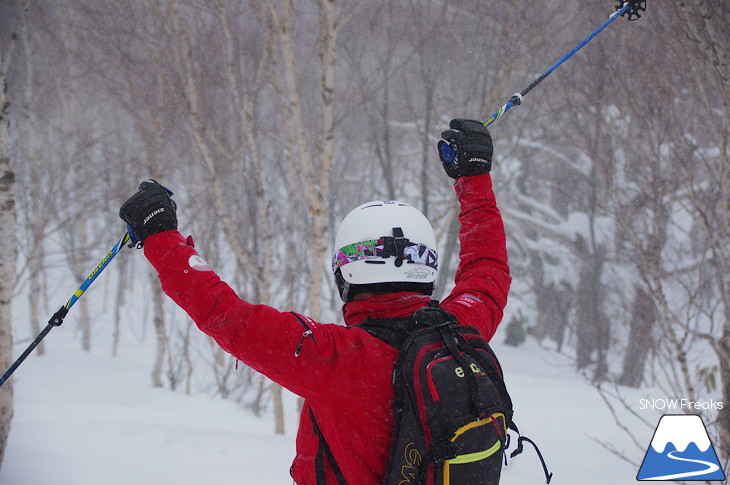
x=141, y=64
x=708, y=25
x=309, y=146
x=314, y=150
x=79, y=136
x=669, y=205
x=692, y=292
x=37, y=202
x=8, y=219
x=231, y=158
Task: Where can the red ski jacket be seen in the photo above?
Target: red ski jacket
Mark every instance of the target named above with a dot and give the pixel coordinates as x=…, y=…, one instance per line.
x=343, y=373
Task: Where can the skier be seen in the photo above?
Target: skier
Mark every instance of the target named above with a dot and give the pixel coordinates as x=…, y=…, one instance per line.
x=385, y=265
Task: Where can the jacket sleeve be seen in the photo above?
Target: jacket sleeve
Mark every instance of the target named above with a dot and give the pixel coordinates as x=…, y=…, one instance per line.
x=482, y=278
x=260, y=336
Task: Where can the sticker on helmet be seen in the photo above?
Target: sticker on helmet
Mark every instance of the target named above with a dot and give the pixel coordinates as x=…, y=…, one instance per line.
x=419, y=273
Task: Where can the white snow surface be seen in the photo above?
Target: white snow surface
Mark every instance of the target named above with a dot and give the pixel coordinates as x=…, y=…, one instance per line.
x=93, y=419
x=681, y=430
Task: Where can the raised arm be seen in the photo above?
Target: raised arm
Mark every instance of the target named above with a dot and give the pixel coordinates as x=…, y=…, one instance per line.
x=482, y=277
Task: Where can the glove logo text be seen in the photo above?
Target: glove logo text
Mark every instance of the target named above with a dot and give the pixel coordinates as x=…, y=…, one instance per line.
x=153, y=214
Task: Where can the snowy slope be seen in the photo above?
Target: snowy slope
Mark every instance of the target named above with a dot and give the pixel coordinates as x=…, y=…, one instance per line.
x=90, y=419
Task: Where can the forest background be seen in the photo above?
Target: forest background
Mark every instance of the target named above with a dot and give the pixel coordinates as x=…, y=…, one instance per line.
x=270, y=120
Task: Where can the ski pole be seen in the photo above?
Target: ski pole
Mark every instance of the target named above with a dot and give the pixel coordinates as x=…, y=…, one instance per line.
x=631, y=8
x=57, y=318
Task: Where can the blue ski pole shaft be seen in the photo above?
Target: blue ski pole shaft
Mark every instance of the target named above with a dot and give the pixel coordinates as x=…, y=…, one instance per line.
x=57, y=318
x=517, y=98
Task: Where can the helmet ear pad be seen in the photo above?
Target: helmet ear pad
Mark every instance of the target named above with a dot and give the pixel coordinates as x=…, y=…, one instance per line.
x=348, y=291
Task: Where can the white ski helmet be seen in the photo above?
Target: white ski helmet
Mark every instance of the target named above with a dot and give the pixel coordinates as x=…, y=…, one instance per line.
x=384, y=246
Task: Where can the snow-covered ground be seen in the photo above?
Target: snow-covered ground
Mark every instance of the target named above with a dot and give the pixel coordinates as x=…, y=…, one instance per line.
x=87, y=418
x=90, y=419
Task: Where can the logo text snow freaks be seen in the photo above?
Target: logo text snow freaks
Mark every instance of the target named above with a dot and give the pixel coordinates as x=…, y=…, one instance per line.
x=674, y=404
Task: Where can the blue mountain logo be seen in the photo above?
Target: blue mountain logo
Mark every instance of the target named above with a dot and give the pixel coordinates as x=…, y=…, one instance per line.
x=680, y=450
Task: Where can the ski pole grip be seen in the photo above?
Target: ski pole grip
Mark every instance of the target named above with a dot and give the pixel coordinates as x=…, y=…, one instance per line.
x=57, y=318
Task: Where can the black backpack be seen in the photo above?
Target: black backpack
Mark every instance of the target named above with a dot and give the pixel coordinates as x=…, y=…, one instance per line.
x=452, y=409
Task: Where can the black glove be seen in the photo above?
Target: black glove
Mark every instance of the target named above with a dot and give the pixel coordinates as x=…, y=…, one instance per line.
x=149, y=211
x=467, y=149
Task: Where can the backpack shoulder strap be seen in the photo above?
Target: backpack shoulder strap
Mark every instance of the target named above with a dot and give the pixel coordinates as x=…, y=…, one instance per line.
x=394, y=331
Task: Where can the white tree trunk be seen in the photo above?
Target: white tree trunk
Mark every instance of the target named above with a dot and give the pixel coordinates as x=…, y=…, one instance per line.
x=8, y=242
x=7, y=278
x=37, y=213
x=160, y=332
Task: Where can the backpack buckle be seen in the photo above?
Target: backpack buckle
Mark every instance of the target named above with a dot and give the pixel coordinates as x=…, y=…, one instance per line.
x=443, y=450
x=435, y=317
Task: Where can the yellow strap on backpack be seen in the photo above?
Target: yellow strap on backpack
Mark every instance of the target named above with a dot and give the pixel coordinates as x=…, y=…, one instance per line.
x=479, y=455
